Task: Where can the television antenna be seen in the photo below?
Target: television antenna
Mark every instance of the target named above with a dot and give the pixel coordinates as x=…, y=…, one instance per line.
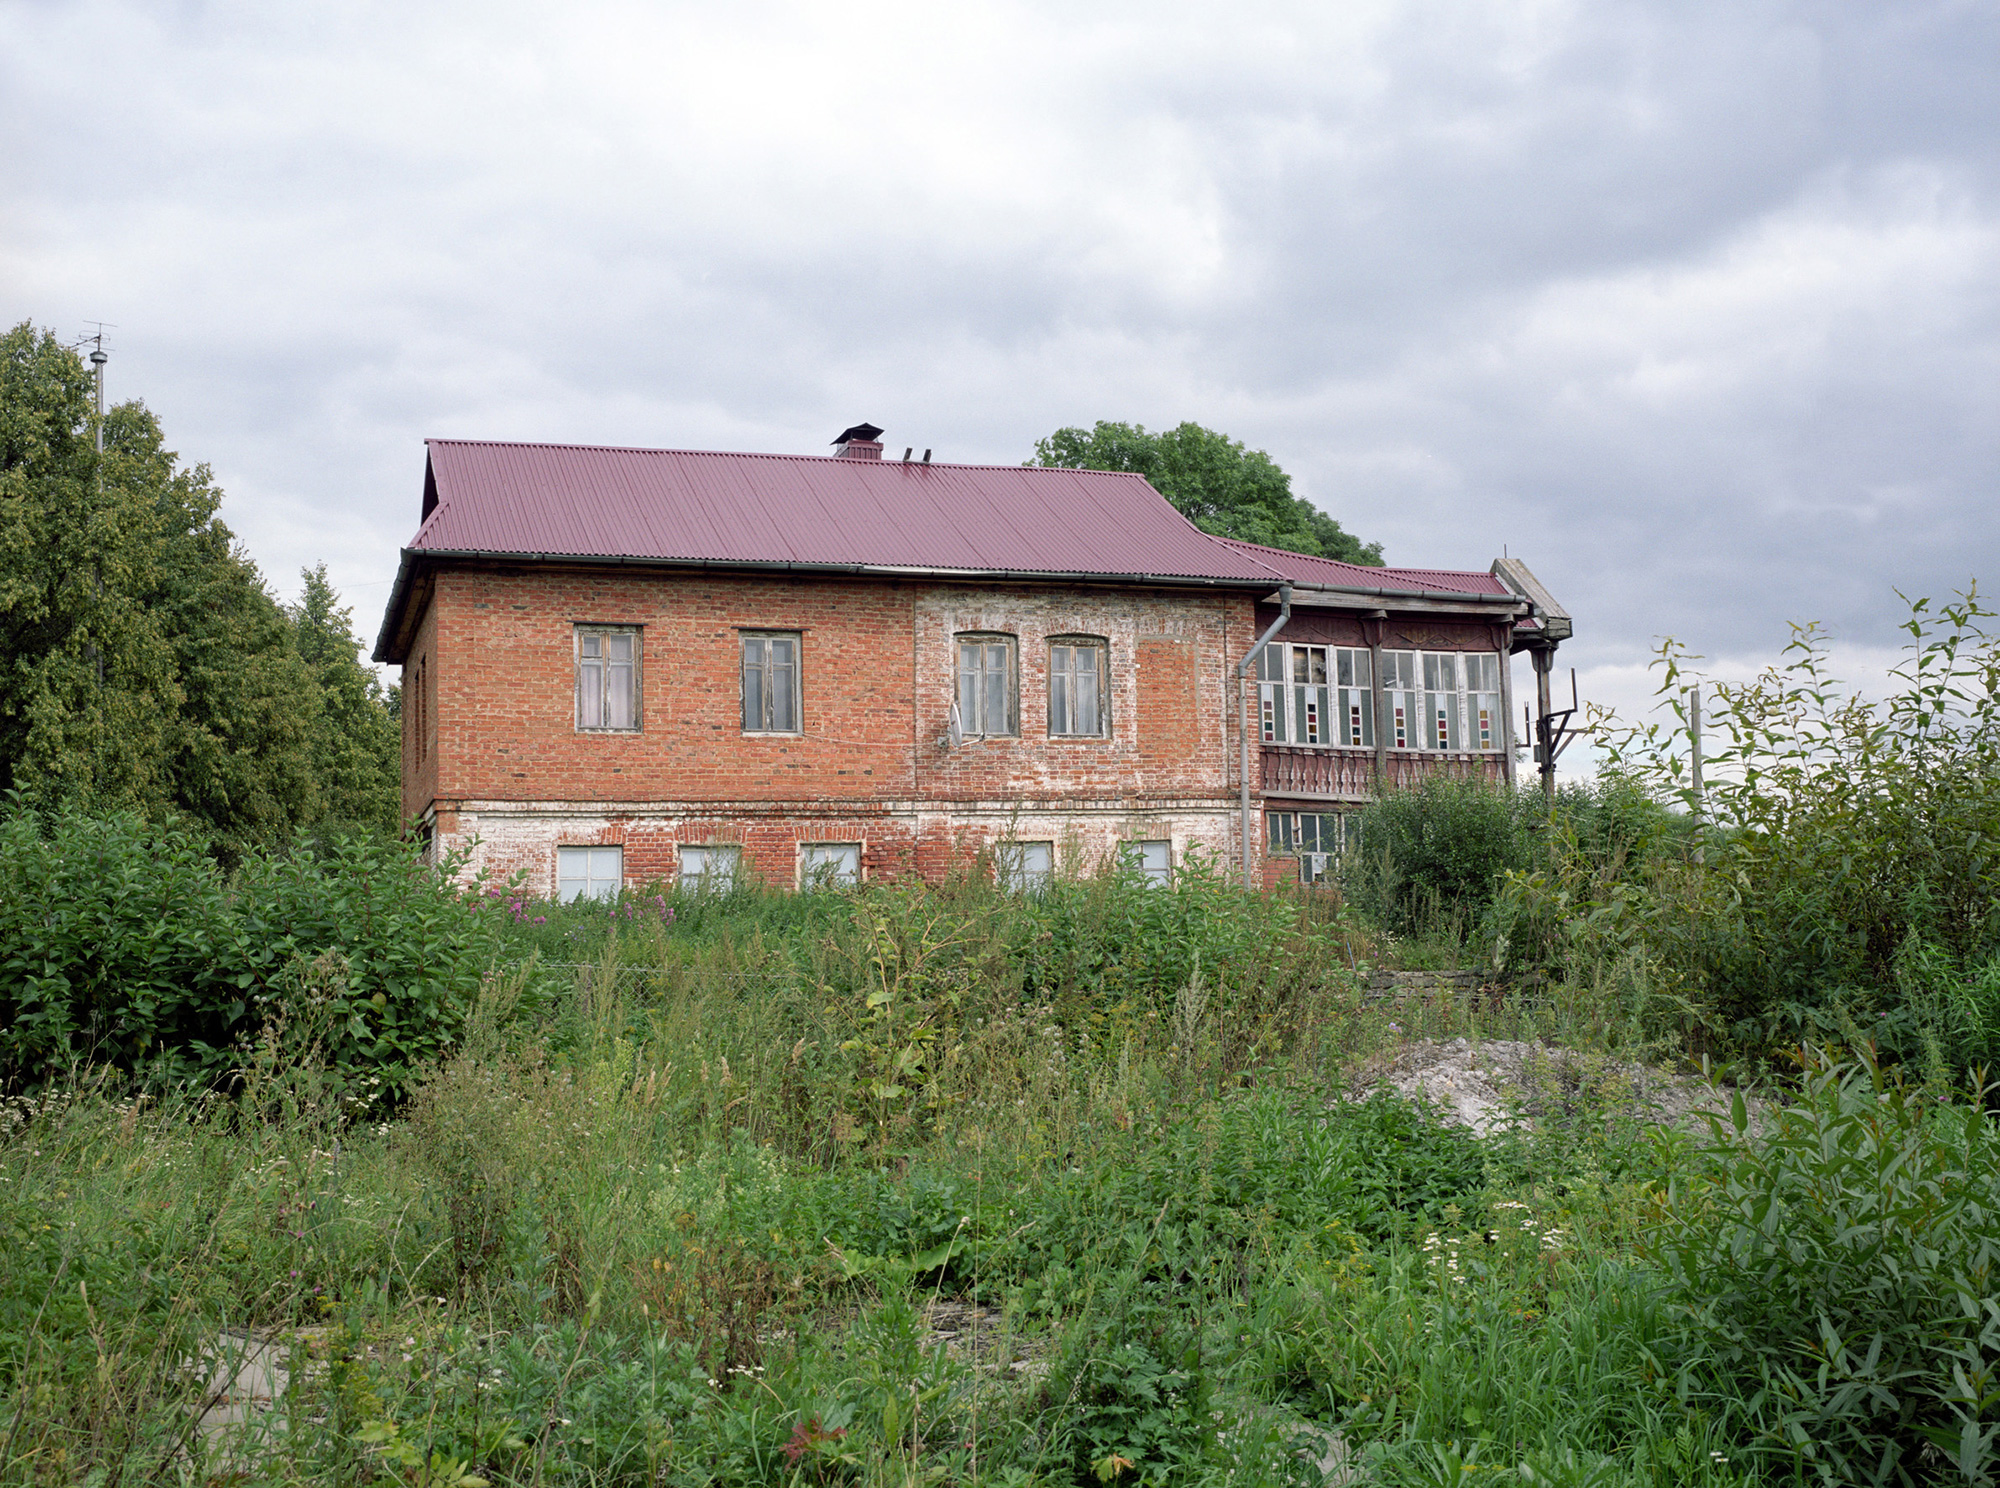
x=97, y=358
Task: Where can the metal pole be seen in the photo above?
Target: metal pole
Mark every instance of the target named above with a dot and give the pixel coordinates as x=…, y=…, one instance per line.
x=97, y=361
x=1694, y=751
x=1243, y=715
x=1545, y=660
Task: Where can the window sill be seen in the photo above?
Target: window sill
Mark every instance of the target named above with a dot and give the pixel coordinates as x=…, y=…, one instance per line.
x=582, y=730
x=772, y=734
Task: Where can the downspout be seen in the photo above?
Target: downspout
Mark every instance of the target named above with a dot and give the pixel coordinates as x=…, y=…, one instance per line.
x=1243, y=714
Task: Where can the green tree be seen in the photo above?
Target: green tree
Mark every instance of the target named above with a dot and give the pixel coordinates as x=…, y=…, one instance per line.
x=143, y=664
x=1214, y=482
x=356, y=746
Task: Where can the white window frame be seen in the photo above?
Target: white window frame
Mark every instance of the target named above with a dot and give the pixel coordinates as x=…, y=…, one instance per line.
x=1437, y=705
x=972, y=689
x=1318, y=839
x=766, y=666
x=1024, y=867
x=1063, y=679
x=1314, y=695
x=602, y=874
x=1153, y=857
x=596, y=676
x=830, y=865
x=708, y=867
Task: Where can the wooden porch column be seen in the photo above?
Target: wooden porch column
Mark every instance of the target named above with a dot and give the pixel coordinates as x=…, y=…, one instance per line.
x=1372, y=627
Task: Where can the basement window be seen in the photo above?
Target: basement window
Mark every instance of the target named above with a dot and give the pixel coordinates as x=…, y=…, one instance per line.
x=988, y=701
x=1316, y=838
x=1153, y=859
x=770, y=682
x=829, y=865
x=607, y=677
x=589, y=872
x=709, y=869
x=1024, y=867
x=1079, y=688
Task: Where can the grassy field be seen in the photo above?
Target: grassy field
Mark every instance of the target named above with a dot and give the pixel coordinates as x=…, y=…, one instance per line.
x=942, y=1186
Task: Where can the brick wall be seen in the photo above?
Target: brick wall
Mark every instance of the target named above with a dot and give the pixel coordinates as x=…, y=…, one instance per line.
x=495, y=755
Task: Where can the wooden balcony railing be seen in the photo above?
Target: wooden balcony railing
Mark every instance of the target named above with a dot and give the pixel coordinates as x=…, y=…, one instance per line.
x=1349, y=774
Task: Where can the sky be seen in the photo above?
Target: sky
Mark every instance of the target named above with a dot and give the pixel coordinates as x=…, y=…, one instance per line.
x=1694, y=307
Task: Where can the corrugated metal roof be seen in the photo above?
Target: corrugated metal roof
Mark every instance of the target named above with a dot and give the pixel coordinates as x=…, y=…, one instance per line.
x=704, y=507
x=700, y=507
x=1301, y=568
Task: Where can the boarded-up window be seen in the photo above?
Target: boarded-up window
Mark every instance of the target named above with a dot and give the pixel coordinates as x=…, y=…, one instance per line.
x=1169, y=727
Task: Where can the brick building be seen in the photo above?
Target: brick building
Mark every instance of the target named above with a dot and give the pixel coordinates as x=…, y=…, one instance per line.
x=624, y=665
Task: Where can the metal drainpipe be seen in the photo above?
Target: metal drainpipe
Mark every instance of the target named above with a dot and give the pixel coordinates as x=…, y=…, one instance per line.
x=1243, y=714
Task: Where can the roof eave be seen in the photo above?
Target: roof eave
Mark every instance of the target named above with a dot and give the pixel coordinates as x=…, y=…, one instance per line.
x=392, y=641
x=1362, y=597
x=1517, y=576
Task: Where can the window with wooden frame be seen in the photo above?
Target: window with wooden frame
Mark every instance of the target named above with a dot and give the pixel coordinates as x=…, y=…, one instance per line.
x=607, y=677
x=589, y=872
x=1024, y=867
x=988, y=698
x=1079, y=687
x=1444, y=700
x=1152, y=858
x=709, y=867
x=1316, y=838
x=1315, y=695
x=771, y=702
x=829, y=865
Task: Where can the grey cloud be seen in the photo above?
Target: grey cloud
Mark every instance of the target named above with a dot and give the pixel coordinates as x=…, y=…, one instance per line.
x=1693, y=305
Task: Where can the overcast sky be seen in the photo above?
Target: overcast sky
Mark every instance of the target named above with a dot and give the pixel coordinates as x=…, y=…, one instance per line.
x=1695, y=307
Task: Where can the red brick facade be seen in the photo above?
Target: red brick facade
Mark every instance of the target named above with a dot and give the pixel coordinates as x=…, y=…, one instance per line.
x=696, y=578
x=495, y=763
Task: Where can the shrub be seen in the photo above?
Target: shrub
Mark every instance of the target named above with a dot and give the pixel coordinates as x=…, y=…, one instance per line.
x=1844, y=827
x=1842, y=1273
x=122, y=944
x=1436, y=849
x=107, y=929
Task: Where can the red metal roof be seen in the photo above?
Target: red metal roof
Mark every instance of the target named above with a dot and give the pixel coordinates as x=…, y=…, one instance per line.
x=701, y=507
x=1302, y=568
x=821, y=512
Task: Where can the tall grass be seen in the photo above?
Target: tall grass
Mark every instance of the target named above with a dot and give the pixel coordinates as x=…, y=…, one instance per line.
x=682, y=1202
